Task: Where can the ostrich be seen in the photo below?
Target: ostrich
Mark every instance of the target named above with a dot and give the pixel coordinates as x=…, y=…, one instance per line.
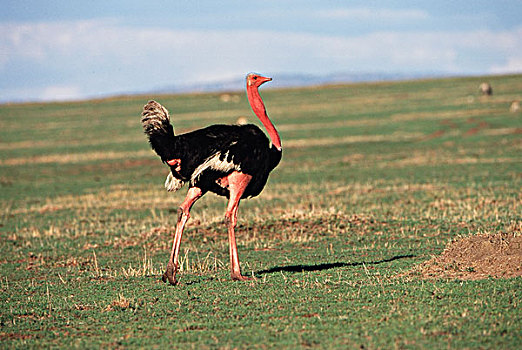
x=230, y=160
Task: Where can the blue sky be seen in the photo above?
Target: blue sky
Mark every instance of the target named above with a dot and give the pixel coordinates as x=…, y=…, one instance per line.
x=58, y=50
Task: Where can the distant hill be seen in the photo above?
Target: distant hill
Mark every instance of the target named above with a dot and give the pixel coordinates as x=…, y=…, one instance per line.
x=293, y=80
x=281, y=80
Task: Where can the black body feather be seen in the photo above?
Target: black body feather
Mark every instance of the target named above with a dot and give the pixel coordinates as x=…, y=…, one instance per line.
x=211, y=153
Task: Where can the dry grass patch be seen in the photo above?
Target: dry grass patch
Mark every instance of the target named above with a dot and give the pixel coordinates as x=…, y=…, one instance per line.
x=329, y=141
x=73, y=158
x=116, y=197
x=121, y=303
x=425, y=159
x=468, y=113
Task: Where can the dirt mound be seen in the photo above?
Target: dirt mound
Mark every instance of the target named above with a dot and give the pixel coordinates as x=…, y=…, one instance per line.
x=477, y=257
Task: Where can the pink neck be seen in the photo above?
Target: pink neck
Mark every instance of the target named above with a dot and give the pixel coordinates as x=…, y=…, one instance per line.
x=256, y=102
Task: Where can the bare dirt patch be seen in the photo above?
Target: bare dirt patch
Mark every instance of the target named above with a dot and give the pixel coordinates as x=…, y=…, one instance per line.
x=476, y=257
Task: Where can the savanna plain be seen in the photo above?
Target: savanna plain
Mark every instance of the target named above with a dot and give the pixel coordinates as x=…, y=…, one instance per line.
x=375, y=182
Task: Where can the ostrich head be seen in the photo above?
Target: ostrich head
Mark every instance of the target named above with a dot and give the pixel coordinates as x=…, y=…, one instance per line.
x=256, y=80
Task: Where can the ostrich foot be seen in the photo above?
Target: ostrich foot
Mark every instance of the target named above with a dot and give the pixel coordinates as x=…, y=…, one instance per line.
x=239, y=277
x=170, y=275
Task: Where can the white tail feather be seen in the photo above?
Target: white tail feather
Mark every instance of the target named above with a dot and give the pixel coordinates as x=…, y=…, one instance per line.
x=173, y=184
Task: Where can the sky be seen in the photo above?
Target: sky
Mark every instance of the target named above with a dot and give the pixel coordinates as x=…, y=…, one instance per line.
x=67, y=50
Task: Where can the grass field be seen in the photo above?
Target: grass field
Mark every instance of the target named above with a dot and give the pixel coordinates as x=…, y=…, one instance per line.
x=375, y=179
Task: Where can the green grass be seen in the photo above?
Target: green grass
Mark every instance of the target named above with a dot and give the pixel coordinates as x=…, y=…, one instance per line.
x=375, y=179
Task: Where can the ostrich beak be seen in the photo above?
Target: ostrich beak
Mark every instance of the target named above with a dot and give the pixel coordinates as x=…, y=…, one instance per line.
x=263, y=80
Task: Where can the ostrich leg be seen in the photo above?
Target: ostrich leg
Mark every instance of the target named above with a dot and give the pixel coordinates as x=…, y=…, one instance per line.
x=237, y=183
x=193, y=194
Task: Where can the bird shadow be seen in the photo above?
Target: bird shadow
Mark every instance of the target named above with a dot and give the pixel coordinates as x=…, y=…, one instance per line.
x=327, y=266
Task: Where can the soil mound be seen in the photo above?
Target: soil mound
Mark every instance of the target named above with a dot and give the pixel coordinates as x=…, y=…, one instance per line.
x=477, y=257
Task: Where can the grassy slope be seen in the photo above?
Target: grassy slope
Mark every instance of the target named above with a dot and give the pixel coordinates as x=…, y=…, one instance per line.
x=375, y=178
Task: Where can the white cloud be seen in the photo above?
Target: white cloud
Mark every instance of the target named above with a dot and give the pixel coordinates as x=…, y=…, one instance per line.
x=106, y=56
x=60, y=93
x=365, y=14
x=513, y=65
x=43, y=93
